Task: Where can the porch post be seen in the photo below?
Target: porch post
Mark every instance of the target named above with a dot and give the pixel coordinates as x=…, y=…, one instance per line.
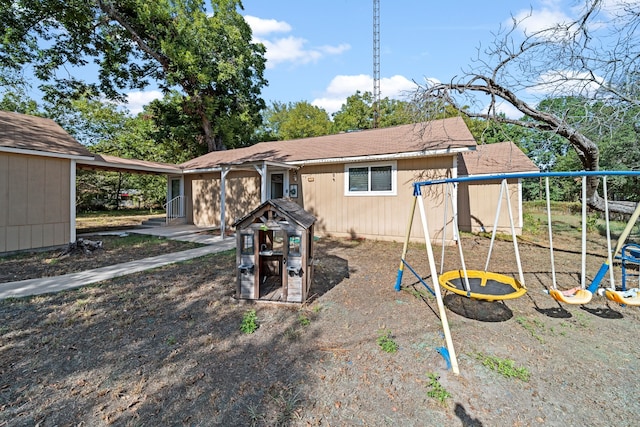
x=263, y=181
x=72, y=201
x=223, y=197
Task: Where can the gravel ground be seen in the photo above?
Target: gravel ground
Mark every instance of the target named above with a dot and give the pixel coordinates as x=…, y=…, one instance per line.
x=165, y=348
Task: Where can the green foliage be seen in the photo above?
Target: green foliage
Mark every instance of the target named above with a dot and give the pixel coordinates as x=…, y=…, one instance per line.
x=295, y=120
x=202, y=49
x=531, y=326
x=357, y=113
x=303, y=320
x=249, y=322
x=386, y=342
x=17, y=101
x=505, y=367
x=437, y=391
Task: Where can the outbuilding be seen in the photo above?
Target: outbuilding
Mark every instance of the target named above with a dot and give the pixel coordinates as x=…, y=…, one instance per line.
x=274, y=252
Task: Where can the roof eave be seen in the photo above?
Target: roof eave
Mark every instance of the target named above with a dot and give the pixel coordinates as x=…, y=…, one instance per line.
x=28, y=152
x=382, y=157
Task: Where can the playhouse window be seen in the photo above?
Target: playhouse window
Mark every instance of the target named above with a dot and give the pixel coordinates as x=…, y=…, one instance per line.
x=371, y=179
x=294, y=245
x=278, y=241
x=247, y=244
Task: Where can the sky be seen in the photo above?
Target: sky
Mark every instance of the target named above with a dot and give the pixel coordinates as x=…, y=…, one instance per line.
x=322, y=51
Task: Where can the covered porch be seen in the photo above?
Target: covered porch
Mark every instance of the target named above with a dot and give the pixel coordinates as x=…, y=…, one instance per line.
x=234, y=189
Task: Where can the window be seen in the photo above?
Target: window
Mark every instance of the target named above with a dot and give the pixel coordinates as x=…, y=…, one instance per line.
x=373, y=179
x=247, y=244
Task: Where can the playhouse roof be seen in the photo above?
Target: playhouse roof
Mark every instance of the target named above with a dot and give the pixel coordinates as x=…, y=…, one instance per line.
x=285, y=207
x=21, y=132
x=501, y=157
x=438, y=136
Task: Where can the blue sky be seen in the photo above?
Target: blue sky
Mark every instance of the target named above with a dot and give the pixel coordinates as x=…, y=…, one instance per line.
x=322, y=51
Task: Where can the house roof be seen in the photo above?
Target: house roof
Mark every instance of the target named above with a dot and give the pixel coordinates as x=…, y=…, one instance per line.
x=37, y=135
x=501, y=157
x=438, y=136
x=118, y=164
x=286, y=207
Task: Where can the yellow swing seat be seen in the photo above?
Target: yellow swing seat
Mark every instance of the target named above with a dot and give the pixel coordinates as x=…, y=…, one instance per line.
x=622, y=297
x=577, y=297
x=483, y=285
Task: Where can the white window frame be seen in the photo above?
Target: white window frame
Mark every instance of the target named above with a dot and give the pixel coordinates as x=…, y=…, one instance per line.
x=394, y=179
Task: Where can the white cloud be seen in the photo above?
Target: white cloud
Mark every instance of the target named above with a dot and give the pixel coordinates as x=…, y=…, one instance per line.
x=532, y=21
x=507, y=109
x=566, y=83
x=261, y=26
x=341, y=87
x=290, y=49
x=138, y=99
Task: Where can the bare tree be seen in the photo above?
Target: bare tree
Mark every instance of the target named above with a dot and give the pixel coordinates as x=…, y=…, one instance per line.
x=595, y=57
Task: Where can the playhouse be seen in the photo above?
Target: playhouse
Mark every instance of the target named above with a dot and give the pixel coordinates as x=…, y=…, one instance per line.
x=274, y=254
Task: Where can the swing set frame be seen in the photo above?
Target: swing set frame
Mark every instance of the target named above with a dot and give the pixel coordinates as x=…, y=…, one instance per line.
x=581, y=295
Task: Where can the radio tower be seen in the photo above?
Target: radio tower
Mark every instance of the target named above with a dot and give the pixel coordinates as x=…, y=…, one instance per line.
x=376, y=63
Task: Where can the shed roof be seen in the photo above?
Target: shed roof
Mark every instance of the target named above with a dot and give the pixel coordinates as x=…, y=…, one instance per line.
x=447, y=135
x=501, y=157
x=21, y=132
x=287, y=208
x=119, y=164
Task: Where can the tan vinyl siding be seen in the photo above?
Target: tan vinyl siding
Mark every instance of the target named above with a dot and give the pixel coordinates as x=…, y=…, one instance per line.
x=376, y=216
x=478, y=202
x=205, y=199
x=34, y=202
x=203, y=193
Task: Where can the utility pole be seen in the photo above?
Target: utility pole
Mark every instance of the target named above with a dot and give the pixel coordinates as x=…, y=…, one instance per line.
x=376, y=63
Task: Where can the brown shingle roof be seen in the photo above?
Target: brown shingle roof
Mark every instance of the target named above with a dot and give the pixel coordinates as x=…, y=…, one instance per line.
x=24, y=132
x=438, y=135
x=501, y=157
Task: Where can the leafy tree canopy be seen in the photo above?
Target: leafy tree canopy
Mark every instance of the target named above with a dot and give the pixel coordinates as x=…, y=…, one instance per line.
x=296, y=120
x=202, y=49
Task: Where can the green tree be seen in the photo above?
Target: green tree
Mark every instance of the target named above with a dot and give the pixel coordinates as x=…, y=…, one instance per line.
x=296, y=120
x=18, y=101
x=357, y=113
x=106, y=129
x=202, y=49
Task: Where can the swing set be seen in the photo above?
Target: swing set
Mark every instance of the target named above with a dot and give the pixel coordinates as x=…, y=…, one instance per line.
x=490, y=286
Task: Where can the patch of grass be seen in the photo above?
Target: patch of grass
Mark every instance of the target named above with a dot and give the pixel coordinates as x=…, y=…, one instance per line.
x=505, y=367
x=419, y=294
x=386, y=342
x=303, y=320
x=171, y=340
x=437, y=391
x=249, y=322
x=532, y=326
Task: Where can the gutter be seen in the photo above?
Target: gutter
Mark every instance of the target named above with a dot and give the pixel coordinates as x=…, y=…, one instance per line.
x=379, y=157
x=368, y=158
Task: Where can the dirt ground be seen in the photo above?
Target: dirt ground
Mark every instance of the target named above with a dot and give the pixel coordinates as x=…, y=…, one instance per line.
x=164, y=347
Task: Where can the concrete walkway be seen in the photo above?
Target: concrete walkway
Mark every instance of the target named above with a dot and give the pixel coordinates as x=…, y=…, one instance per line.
x=46, y=285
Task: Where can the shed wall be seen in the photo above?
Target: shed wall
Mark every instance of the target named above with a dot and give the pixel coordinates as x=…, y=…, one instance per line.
x=34, y=202
x=478, y=202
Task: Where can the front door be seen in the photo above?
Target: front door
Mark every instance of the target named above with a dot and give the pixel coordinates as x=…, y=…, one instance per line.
x=276, y=185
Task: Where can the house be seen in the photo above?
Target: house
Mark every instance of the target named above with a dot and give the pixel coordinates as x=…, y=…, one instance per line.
x=38, y=163
x=357, y=184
